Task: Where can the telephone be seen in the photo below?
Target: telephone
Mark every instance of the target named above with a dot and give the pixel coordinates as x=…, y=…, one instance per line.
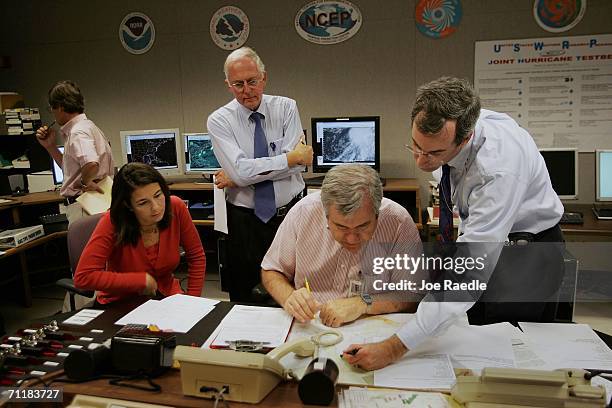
x=247, y=377
x=240, y=376
x=521, y=388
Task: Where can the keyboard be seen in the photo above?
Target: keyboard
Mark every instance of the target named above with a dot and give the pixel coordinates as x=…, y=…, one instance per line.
x=603, y=213
x=571, y=218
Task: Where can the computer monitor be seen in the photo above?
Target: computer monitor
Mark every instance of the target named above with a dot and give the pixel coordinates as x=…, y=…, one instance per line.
x=562, y=165
x=160, y=148
x=338, y=141
x=603, y=174
x=58, y=173
x=199, y=155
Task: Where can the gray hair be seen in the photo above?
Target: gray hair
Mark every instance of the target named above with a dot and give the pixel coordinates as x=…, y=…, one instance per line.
x=443, y=99
x=346, y=187
x=243, y=52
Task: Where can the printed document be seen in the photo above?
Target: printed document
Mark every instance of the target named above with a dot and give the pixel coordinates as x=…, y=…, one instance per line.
x=178, y=313
x=563, y=345
x=267, y=325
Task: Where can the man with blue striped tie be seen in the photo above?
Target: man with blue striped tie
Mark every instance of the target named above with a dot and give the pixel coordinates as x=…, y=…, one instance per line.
x=258, y=140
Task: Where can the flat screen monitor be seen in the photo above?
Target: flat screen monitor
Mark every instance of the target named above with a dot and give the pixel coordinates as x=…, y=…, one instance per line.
x=159, y=148
x=199, y=155
x=347, y=140
x=603, y=170
x=58, y=173
x=562, y=165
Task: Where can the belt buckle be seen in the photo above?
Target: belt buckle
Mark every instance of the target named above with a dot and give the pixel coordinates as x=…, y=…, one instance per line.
x=282, y=211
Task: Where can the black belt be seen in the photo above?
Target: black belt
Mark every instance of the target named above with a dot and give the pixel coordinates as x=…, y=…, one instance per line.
x=525, y=237
x=280, y=211
x=70, y=200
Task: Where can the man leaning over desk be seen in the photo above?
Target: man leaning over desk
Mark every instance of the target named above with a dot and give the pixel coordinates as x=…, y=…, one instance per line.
x=322, y=255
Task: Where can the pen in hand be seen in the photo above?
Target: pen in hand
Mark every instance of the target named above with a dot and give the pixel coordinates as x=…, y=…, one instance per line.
x=351, y=352
x=49, y=126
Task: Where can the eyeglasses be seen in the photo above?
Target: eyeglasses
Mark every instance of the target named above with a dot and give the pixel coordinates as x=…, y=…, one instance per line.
x=427, y=155
x=240, y=85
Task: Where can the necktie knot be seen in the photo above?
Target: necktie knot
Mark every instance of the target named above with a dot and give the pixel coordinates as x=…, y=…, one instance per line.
x=256, y=117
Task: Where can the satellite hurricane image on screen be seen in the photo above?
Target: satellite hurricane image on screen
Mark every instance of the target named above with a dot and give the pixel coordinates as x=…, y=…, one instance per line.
x=348, y=144
x=155, y=152
x=201, y=155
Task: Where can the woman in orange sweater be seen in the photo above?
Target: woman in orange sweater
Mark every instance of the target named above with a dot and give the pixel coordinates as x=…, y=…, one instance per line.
x=134, y=249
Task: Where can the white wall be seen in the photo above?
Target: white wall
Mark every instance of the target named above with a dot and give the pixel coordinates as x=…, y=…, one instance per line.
x=180, y=80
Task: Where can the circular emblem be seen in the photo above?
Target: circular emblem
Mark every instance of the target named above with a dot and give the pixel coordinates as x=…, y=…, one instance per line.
x=328, y=22
x=557, y=16
x=438, y=18
x=137, y=33
x=229, y=28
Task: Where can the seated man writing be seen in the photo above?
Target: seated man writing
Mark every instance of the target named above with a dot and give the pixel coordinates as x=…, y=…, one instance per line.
x=323, y=254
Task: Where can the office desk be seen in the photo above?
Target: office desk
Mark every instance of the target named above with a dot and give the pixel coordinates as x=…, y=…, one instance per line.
x=284, y=395
x=591, y=230
x=22, y=204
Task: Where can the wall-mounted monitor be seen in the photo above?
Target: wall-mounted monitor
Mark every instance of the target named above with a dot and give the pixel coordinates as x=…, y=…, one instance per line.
x=58, y=173
x=346, y=140
x=603, y=174
x=199, y=155
x=562, y=165
x=160, y=148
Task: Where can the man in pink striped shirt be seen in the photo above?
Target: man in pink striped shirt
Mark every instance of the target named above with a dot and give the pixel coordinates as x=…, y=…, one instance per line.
x=331, y=240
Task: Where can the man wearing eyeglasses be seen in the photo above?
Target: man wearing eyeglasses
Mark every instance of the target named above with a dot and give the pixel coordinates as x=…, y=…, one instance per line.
x=258, y=140
x=325, y=256
x=87, y=156
x=498, y=182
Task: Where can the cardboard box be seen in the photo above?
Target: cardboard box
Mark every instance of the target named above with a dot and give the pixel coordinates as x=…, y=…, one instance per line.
x=10, y=100
x=16, y=237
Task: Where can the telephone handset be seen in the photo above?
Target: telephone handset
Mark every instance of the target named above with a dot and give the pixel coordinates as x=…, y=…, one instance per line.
x=528, y=388
x=246, y=377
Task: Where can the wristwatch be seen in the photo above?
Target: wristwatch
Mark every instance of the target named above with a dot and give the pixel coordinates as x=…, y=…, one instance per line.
x=367, y=300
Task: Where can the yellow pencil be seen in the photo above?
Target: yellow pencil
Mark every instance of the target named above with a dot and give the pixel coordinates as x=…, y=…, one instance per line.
x=307, y=285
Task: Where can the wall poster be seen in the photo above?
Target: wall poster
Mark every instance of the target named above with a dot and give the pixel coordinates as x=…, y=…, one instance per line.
x=559, y=89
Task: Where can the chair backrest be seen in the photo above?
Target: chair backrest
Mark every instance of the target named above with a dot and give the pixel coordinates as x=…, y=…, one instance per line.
x=79, y=233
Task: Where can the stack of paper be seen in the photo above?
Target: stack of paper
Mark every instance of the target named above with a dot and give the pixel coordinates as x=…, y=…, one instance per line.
x=355, y=397
x=267, y=325
x=177, y=313
x=562, y=345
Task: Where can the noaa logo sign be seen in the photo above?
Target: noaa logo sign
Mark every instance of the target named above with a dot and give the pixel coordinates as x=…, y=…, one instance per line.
x=557, y=16
x=229, y=28
x=137, y=33
x=328, y=22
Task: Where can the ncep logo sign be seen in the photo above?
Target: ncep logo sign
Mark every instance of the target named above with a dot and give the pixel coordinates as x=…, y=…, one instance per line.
x=328, y=22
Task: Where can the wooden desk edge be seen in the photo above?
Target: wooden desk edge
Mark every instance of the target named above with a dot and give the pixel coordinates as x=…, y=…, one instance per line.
x=31, y=244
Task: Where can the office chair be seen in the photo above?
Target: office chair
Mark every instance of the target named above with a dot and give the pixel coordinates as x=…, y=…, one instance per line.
x=79, y=233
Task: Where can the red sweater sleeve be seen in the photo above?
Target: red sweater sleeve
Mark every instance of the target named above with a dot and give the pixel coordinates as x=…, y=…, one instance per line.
x=194, y=252
x=91, y=272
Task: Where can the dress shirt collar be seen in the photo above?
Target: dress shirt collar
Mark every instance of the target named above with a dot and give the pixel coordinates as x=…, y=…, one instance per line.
x=263, y=108
x=69, y=125
x=458, y=162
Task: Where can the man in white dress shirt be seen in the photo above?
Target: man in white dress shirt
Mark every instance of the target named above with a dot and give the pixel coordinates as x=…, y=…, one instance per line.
x=500, y=186
x=258, y=140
